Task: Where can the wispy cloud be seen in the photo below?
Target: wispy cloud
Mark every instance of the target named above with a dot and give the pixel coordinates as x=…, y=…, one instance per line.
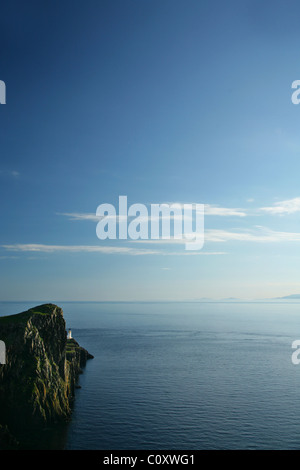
x=35, y=247
x=289, y=206
x=285, y=207
x=80, y=216
x=223, y=211
x=257, y=234
x=208, y=208
x=118, y=218
x=41, y=248
x=10, y=174
x=260, y=234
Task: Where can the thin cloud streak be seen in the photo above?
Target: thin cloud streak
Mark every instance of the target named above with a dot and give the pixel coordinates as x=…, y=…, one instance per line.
x=80, y=216
x=99, y=249
x=223, y=211
x=208, y=210
x=261, y=235
x=10, y=174
x=289, y=206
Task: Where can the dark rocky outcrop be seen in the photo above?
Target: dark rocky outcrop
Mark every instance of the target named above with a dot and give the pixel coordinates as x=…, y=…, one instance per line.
x=38, y=381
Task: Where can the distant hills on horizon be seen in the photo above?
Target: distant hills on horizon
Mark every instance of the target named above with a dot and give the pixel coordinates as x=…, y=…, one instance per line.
x=199, y=299
x=287, y=297
x=236, y=299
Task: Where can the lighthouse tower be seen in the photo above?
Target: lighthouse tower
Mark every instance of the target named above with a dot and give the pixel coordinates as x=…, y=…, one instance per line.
x=70, y=334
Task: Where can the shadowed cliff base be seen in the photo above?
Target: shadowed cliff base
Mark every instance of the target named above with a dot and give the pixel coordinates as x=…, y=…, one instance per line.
x=38, y=381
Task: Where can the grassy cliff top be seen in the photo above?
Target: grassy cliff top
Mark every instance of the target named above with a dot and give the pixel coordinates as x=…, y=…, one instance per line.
x=23, y=317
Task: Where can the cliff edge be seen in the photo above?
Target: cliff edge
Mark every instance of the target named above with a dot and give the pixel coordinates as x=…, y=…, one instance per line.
x=38, y=381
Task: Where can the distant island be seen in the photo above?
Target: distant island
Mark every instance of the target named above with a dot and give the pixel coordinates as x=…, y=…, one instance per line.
x=38, y=380
x=289, y=297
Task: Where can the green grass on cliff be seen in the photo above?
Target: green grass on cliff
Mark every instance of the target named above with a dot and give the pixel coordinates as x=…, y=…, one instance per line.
x=23, y=317
x=17, y=318
x=71, y=347
x=72, y=350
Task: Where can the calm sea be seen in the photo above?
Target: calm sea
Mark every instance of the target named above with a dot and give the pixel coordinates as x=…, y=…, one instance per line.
x=182, y=376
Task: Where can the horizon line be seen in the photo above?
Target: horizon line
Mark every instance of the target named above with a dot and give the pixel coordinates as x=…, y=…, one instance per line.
x=233, y=300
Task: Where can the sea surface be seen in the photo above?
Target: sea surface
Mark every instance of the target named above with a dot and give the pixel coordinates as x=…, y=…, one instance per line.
x=181, y=376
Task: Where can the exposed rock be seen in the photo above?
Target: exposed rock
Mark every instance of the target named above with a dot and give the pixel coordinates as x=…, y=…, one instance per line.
x=38, y=381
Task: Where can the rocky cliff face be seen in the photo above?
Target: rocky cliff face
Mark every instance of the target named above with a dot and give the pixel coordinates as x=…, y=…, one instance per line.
x=38, y=381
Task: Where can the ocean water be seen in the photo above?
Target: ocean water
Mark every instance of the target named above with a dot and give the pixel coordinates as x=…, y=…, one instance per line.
x=182, y=376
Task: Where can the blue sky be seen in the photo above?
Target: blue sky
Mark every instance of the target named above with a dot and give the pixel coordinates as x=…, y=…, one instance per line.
x=162, y=101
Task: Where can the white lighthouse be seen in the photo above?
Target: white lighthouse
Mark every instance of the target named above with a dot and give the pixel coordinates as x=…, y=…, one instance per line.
x=70, y=334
